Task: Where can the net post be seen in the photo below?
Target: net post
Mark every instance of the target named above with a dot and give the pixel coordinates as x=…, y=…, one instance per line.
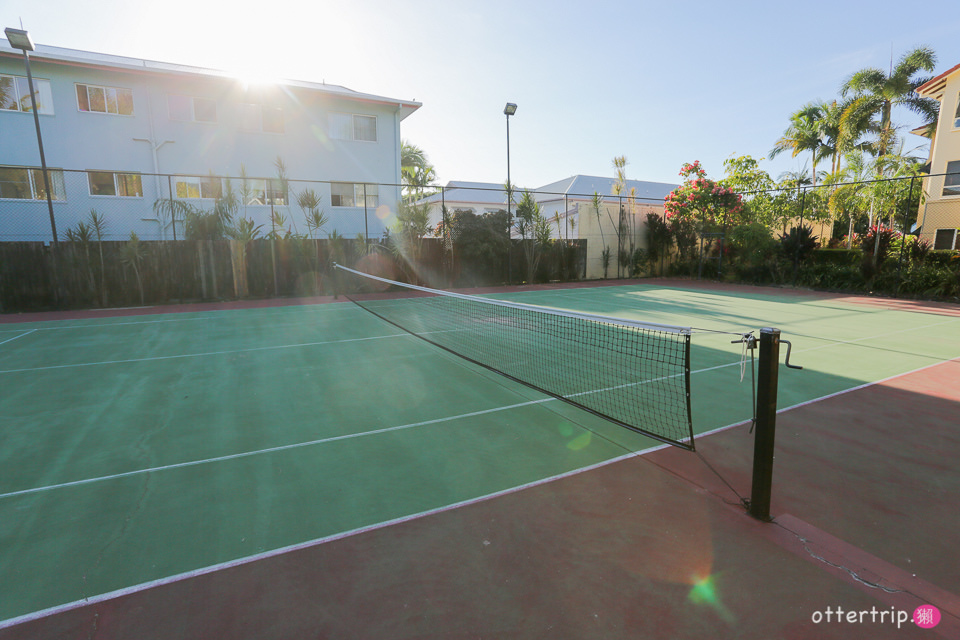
x=766, y=412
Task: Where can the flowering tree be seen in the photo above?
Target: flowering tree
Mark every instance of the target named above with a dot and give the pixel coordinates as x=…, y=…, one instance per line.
x=701, y=201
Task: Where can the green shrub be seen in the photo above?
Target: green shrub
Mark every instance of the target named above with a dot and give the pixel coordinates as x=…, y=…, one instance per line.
x=751, y=244
x=924, y=280
x=798, y=243
x=944, y=258
x=848, y=257
x=833, y=277
x=878, y=240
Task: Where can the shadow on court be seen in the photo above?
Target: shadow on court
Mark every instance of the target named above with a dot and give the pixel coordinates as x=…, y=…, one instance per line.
x=865, y=487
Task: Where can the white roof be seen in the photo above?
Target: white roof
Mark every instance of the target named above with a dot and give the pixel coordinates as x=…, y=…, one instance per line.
x=89, y=58
x=577, y=187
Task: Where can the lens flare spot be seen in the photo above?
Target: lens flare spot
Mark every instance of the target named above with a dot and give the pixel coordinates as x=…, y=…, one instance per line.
x=383, y=212
x=566, y=429
x=321, y=137
x=704, y=592
x=580, y=442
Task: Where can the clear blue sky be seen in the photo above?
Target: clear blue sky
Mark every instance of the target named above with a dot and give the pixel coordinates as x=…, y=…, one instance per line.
x=660, y=83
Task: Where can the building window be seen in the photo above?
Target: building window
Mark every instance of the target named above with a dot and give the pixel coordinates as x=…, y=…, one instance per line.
x=951, y=181
x=347, y=194
x=956, y=116
x=192, y=109
x=945, y=240
x=108, y=183
x=20, y=183
x=256, y=191
x=15, y=95
x=346, y=126
x=209, y=188
x=261, y=118
x=105, y=99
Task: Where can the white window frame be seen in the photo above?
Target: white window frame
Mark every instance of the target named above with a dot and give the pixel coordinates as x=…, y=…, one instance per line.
x=116, y=184
x=351, y=193
x=193, y=109
x=20, y=101
x=956, y=117
x=259, y=119
x=954, y=176
x=339, y=129
x=203, y=186
x=953, y=241
x=34, y=179
x=263, y=192
x=108, y=93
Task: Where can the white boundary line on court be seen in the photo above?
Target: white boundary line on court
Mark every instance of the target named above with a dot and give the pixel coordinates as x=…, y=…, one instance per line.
x=19, y=336
x=36, y=615
x=246, y=454
x=417, y=424
x=10, y=622
x=814, y=400
x=198, y=355
x=333, y=306
x=286, y=447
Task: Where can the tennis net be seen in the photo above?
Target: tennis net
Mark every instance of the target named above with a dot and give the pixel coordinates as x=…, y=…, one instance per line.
x=634, y=374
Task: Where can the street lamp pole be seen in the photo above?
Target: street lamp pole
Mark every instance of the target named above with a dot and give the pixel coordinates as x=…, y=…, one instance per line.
x=508, y=111
x=20, y=39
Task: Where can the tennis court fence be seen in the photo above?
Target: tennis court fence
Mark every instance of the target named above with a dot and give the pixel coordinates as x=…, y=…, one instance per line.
x=118, y=239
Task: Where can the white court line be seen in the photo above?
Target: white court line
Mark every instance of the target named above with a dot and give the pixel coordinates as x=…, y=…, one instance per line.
x=287, y=447
x=11, y=622
x=19, y=336
x=401, y=427
x=200, y=355
x=333, y=306
x=36, y=615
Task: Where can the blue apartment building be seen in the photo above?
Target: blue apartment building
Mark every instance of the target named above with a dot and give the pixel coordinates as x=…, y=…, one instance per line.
x=120, y=133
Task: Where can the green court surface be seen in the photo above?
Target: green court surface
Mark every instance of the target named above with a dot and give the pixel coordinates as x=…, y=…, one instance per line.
x=142, y=448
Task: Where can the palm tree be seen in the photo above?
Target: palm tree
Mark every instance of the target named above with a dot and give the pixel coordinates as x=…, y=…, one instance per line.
x=846, y=199
x=805, y=133
x=416, y=172
x=132, y=255
x=834, y=140
x=875, y=94
x=411, y=156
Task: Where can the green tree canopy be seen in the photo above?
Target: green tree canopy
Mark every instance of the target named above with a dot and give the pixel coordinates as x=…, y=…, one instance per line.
x=875, y=93
x=702, y=201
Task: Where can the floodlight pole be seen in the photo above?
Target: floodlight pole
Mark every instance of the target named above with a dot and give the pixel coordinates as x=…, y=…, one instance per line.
x=20, y=39
x=508, y=111
x=766, y=424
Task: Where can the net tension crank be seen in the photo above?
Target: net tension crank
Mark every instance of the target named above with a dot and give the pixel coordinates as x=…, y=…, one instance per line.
x=751, y=344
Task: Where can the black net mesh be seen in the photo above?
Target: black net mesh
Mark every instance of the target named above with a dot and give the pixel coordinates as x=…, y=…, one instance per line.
x=635, y=375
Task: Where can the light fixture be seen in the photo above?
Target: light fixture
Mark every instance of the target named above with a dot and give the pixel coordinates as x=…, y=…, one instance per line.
x=19, y=39
x=510, y=109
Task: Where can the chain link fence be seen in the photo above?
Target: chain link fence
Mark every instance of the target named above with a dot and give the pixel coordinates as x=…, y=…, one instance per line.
x=119, y=239
x=137, y=239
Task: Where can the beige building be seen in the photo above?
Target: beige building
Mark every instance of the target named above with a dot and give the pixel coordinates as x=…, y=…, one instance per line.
x=939, y=216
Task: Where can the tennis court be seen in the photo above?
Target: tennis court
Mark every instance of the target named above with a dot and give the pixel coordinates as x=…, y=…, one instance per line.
x=152, y=451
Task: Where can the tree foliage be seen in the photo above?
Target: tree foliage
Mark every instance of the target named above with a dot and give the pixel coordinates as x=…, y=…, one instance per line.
x=702, y=201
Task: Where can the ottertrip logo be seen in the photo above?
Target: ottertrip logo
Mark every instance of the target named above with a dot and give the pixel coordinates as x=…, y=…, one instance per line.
x=925, y=616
